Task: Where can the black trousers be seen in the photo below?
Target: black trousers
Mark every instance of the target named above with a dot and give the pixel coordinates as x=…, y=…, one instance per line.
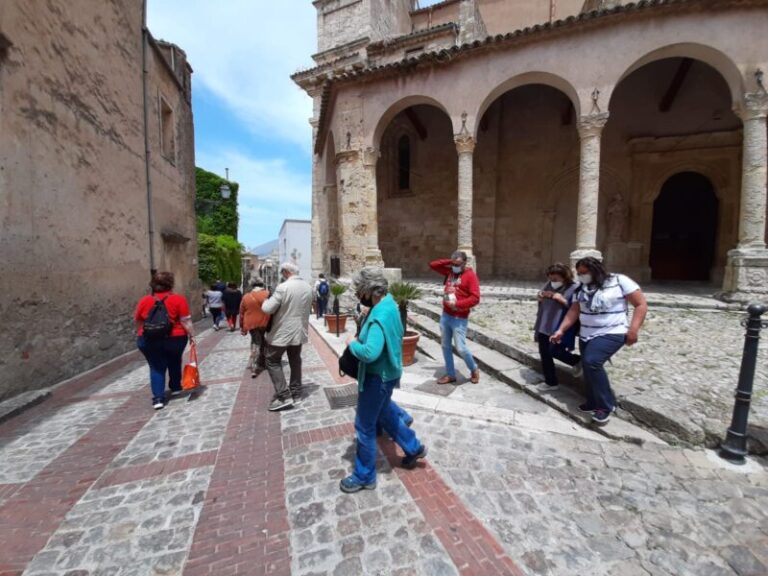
x=548, y=352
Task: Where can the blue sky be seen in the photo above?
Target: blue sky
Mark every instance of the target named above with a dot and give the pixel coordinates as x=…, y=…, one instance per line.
x=249, y=116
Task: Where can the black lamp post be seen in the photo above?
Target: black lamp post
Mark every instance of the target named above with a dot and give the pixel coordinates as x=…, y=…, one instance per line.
x=734, y=447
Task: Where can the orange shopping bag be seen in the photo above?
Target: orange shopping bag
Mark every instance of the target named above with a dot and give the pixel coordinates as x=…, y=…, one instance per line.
x=190, y=378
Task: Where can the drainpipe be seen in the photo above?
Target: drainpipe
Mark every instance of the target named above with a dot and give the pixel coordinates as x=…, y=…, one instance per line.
x=147, y=151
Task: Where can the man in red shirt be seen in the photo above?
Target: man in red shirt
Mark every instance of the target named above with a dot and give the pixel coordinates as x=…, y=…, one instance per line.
x=461, y=292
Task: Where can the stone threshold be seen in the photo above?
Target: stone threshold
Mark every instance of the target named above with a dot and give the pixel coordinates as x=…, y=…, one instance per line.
x=501, y=368
x=654, y=419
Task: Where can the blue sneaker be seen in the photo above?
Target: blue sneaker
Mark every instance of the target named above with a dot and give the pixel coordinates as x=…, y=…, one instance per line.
x=601, y=416
x=408, y=422
x=350, y=485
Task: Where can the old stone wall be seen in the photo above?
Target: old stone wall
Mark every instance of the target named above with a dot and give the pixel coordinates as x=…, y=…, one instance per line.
x=73, y=206
x=418, y=224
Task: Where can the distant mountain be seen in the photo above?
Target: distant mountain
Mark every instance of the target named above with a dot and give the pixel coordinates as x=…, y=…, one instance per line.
x=265, y=249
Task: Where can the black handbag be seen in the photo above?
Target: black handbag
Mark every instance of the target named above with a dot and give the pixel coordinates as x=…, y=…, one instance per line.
x=348, y=364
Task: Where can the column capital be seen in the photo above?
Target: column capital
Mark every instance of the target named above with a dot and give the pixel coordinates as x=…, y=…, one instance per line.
x=346, y=156
x=754, y=107
x=592, y=125
x=465, y=144
x=370, y=156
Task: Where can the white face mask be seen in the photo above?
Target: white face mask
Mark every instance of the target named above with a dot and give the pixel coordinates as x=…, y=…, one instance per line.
x=555, y=285
x=585, y=279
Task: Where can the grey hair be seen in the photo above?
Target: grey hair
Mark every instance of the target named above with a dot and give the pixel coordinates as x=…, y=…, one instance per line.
x=289, y=267
x=371, y=280
x=459, y=254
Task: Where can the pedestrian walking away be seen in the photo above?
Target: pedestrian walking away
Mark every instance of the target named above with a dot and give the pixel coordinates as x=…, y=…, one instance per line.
x=215, y=300
x=461, y=293
x=163, y=326
x=379, y=351
x=555, y=298
x=290, y=306
x=254, y=321
x=322, y=292
x=600, y=306
x=232, y=298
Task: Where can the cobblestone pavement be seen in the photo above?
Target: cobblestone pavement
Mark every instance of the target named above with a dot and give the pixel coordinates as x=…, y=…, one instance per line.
x=99, y=484
x=686, y=363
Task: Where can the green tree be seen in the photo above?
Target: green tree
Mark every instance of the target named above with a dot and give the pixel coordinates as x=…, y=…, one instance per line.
x=215, y=216
x=218, y=257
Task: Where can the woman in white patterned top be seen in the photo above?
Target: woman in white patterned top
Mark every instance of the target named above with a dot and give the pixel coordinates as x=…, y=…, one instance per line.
x=601, y=306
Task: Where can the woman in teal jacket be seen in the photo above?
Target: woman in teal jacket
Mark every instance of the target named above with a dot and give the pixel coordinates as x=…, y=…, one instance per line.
x=379, y=350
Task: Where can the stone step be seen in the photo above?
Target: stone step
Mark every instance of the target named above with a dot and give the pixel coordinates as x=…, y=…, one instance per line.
x=521, y=376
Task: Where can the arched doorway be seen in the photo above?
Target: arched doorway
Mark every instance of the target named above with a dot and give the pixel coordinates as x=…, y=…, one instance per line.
x=416, y=184
x=525, y=189
x=684, y=231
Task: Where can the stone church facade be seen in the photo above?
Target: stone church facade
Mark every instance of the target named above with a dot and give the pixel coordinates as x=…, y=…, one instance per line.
x=532, y=131
x=76, y=241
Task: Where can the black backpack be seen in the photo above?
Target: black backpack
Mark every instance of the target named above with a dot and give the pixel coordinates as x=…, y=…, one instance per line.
x=158, y=324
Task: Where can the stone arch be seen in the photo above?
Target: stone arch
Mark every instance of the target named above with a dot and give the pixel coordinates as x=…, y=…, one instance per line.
x=714, y=58
x=399, y=106
x=527, y=78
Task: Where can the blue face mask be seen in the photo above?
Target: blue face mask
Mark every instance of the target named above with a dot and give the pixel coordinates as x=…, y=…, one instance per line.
x=456, y=269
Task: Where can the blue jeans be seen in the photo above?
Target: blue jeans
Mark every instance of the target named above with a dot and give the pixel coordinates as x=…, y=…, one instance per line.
x=454, y=330
x=163, y=355
x=216, y=314
x=374, y=404
x=594, y=354
x=401, y=413
x=322, y=307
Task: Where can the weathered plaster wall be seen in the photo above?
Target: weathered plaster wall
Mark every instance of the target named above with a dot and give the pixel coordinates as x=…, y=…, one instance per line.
x=72, y=188
x=501, y=16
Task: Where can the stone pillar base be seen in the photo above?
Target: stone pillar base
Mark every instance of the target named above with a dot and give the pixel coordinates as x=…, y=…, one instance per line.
x=393, y=274
x=746, y=276
x=373, y=257
x=580, y=253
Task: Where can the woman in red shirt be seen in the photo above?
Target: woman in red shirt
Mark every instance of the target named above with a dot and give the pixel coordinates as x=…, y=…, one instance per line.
x=164, y=351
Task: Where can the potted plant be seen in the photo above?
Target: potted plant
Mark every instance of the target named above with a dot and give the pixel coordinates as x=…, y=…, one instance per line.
x=336, y=321
x=404, y=292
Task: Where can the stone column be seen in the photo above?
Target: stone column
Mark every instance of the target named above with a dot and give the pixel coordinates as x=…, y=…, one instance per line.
x=465, y=146
x=746, y=273
x=372, y=251
x=590, y=129
x=358, y=222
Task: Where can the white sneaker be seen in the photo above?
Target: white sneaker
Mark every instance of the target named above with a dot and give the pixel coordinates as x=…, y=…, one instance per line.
x=577, y=370
x=544, y=387
x=158, y=405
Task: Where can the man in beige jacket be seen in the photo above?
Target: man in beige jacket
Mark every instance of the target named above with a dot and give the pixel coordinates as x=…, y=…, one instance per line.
x=289, y=306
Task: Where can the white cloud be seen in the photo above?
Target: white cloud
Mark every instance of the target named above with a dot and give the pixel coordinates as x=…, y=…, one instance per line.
x=270, y=192
x=244, y=52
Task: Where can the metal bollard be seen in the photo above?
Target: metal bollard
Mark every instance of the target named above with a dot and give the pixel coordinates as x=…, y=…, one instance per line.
x=734, y=447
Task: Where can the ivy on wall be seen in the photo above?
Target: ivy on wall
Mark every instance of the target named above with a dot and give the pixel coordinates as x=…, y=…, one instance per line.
x=218, y=251
x=215, y=216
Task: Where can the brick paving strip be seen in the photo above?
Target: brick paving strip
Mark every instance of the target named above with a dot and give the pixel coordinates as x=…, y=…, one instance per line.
x=35, y=510
x=243, y=527
x=160, y=468
x=473, y=549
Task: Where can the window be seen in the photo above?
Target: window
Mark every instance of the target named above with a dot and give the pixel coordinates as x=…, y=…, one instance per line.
x=404, y=163
x=167, y=131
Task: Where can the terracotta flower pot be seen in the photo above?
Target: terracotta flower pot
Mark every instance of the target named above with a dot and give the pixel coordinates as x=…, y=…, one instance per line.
x=410, y=339
x=330, y=320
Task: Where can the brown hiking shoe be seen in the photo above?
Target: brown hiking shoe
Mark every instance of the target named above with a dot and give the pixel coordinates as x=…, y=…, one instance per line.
x=447, y=380
x=475, y=378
